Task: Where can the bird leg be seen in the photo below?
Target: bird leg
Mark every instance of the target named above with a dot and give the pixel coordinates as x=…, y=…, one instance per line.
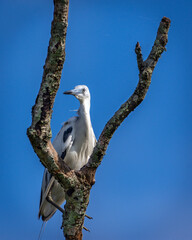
x=50, y=200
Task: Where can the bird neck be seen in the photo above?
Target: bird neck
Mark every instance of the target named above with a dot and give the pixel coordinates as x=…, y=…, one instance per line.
x=84, y=110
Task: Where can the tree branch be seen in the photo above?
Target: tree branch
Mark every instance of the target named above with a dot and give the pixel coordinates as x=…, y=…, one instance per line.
x=140, y=62
x=39, y=132
x=77, y=184
x=76, y=187
x=145, y=72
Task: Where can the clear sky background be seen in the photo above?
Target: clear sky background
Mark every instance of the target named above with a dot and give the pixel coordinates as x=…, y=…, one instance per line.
x=143, y=188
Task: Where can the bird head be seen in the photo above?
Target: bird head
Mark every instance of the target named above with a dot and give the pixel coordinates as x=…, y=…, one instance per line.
x=81, y=92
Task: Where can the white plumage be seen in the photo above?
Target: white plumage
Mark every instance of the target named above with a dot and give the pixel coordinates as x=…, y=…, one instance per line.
x=74, y=144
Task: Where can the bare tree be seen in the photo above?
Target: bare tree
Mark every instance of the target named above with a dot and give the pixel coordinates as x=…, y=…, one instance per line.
x=77, y=184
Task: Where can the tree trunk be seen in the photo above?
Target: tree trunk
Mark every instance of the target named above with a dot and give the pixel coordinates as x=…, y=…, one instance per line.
x=77, y=184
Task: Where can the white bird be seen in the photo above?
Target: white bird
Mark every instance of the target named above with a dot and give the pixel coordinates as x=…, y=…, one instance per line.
x=74, y=144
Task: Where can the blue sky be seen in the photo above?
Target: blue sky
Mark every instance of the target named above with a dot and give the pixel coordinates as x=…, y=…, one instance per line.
x=143, y=188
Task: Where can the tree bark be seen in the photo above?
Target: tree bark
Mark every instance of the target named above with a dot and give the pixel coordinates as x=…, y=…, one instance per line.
x=77, y=184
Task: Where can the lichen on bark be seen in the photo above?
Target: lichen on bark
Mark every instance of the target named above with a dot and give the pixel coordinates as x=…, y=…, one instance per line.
x=77, y=184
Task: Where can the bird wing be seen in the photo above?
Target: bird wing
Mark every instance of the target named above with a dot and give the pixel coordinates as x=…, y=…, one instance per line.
x=65, y=138
x=62, y=144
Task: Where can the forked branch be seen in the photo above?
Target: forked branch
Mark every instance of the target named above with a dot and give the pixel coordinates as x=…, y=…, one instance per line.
x=77, y=184
x=145, y=72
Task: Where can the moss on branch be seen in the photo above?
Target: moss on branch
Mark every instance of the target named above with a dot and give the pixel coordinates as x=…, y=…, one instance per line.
x=77, y=184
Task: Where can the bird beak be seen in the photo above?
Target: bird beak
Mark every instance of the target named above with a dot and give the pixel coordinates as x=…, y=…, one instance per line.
x=68, y=92
x=72, y=92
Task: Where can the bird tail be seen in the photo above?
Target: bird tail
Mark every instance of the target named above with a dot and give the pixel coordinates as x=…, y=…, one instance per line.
x=42, y=230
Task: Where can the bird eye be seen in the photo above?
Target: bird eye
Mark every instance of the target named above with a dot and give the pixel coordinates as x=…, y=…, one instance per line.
x=84, y=90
